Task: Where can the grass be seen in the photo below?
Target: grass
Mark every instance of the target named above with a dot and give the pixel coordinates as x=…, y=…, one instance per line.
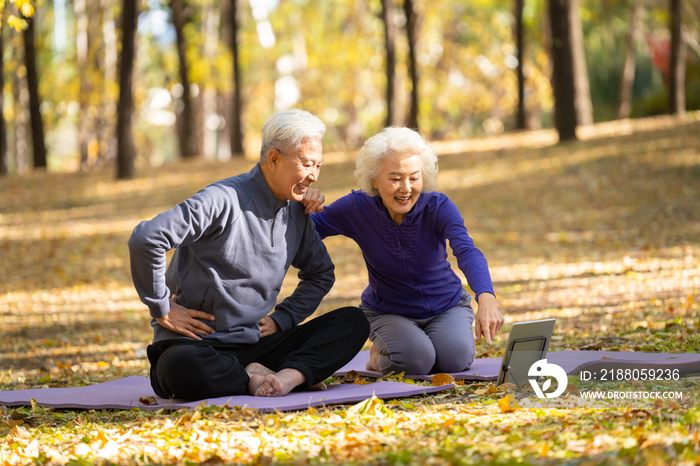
x=603, y=234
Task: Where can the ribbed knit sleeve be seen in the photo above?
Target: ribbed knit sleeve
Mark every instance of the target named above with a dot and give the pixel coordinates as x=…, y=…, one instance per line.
x=469, y=259
x=337, y=218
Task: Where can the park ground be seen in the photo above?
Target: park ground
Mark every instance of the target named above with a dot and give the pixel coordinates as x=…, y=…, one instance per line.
x=603, y=234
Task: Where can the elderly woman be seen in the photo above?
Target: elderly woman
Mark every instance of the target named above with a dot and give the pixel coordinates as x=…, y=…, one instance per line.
x=420, y=315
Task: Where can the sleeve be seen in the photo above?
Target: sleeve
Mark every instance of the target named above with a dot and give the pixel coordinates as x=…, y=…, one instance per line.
x=469, y=259
x=184, y=224
x=336, y=218
x=316, y=278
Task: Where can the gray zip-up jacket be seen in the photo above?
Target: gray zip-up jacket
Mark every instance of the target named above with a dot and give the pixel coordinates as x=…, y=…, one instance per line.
x=235, y=241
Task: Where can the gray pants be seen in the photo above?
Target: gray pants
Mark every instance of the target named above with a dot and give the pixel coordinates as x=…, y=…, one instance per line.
x=444, y=343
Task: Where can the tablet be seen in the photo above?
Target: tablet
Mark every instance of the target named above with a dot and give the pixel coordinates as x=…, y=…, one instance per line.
x=528, y=342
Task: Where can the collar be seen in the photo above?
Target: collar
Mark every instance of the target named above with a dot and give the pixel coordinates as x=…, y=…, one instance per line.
x=262, y=192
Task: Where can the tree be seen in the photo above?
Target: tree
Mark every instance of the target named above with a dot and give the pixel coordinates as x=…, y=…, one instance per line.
x=38, y=147
x=390, y=46
x=82, y=49
x=125, y=143
x=411, y=34
x=624, y=102
x=3, y=132
x=562, y=70
x=582, y=87
x=236, y=131
x=186, y=123
x=676, y=92
x=520, y=45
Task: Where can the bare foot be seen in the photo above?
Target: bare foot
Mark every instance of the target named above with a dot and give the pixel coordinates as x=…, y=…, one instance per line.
x=264, y=382
x=267, y=387
x=270, y=386
x=372, y=364
x=257, y=373
x=258, y=369
x=318, y=387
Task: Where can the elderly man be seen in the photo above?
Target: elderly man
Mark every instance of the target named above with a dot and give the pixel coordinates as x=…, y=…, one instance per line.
x=234, y=241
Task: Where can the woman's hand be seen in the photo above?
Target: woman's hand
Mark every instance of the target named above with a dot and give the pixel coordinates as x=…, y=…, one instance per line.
x=313, y=200
x=488, y=319
x=268, y=326
x=184, y=321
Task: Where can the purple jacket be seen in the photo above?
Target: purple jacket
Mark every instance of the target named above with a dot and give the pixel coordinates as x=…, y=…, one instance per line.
x=407, y=264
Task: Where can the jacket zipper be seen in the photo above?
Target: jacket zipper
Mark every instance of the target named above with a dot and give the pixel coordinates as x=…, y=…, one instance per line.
x=272, y=228
x=408, y=275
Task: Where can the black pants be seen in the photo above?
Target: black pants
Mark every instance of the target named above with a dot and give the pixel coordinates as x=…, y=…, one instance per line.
x=194, y=369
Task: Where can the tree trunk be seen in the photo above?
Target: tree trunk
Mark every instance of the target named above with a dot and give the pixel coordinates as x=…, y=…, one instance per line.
x=106, y=133
x=676, y=90
x=186, y=126
x=82, y=51
x=411, y=34
x=520, y=44
x=390, y=45
x=211, y=14
x=38, y=147
x=624, y=102
x=125, y=143
x=584, y=107
x=3, y=132
x=236, y=129
x=20, y=102
x=562, y=70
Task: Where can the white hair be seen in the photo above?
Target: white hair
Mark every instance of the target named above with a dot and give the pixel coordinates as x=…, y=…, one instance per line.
x=286, y=131
x=394, y=140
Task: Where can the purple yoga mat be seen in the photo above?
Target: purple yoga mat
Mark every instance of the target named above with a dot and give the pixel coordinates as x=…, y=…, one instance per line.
x=125, y=394
x=573, y=362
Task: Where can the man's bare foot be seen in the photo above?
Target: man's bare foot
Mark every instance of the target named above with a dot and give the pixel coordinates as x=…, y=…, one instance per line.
x=274, y=383
x=318, y=387
x=258, y=372
x=270, y=386
x=258, y=369
x=373, y=363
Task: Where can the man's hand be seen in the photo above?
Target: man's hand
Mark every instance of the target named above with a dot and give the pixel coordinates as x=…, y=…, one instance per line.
x=488, y=319
x=312, y=200
x=268, y=326
x=184, y=321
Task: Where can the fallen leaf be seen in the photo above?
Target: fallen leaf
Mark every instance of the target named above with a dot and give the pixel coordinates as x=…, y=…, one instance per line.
x=593, y=346
x=351, y=376
x=486, y=391
x=13, y=422
x=508, y=404
x=18, y=433
x=442, y=379
x=148, y=400
x=606, y=357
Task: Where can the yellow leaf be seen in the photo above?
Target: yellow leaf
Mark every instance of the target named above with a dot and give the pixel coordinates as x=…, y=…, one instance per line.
x=27, y=10
x=508, y=404
x=18, y=433
x=13, y=422
x=370, y=407
x=102, y=364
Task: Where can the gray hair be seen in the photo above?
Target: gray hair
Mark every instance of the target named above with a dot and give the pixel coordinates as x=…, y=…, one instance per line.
x=285, y=131
x=393, y=140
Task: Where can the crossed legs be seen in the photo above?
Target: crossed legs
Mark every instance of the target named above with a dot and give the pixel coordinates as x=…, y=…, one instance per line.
x=302, y=356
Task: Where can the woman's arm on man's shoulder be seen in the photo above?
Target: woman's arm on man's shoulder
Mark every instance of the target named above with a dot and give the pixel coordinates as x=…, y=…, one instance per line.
x=334, y=219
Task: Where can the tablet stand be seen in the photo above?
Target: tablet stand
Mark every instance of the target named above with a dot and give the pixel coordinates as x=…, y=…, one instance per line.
x=507, y=366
